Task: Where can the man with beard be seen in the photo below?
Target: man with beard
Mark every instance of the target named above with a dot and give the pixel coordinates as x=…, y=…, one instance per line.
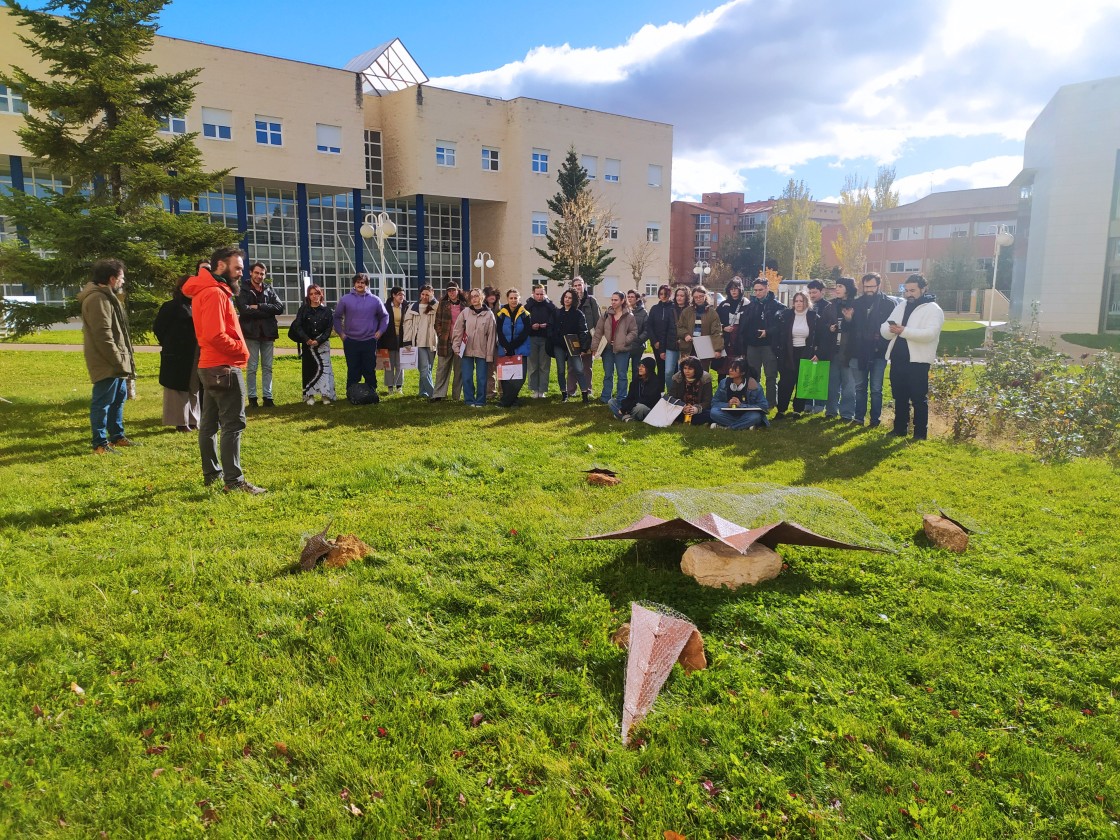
x=221, y=362
x=757, y=327
x=869, y=348
x=913, y=329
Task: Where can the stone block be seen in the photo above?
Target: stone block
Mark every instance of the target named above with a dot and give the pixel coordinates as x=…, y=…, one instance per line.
x=715, y=564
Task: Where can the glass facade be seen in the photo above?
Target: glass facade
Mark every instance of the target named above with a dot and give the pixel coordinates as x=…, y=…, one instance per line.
x=330, y=219
x=273, y=239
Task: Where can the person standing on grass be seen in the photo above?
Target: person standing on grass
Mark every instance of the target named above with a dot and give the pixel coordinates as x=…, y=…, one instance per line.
x=222, y=355
x=109, y=358
x=869, y=348
x=514, y=329
x=420, y=332
x=826, y=348
x=449, y=363
x=585, y=303
x=258, y=305
x=393, y=339
x=641, y=319
x=312, y=329
x=178, y=361
x=841, y=378
x=913, y=330
x=569, y=321
x=661, y=329
x=756, y=335
x=474, y=337
x=360, y=320
x=730, y=311
x=794, y=339
x=541, y=313
x=620, y=329
x=699, y=319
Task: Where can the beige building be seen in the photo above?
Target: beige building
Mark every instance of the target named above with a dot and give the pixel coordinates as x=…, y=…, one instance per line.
x=314, y=151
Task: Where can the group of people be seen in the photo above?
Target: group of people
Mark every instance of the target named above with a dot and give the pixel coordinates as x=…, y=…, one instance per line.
x=724, y=364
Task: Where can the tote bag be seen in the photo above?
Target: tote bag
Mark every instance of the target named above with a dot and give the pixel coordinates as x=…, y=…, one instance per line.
x=812, y=380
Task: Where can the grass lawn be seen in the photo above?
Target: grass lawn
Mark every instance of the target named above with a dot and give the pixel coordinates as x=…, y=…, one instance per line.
x=163, y=674
x=1094, y=341
x=47, y=337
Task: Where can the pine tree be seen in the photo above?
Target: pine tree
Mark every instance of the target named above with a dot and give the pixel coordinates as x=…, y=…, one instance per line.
x=93, y=122
x=575, y=237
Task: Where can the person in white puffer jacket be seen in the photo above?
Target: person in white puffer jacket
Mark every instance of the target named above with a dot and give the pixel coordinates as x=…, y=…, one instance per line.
x=913, y=330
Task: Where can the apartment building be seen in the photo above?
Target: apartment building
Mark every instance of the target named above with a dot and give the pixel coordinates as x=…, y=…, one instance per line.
x=316, y=151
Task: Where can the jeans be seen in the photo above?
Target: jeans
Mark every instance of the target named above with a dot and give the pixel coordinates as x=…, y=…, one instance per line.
x=638, y=412
x=910, y=384
x=762, y=359
x=672, y=362
x=425, y=357
x=614, y=367
x=106, y=410
x=262, y=351
x=579, y=373
x=361, y=361
x=449, y=369
x=225, y=410
x=394, y=376
x=474, y=380
x=538, y=364
x=873, y=376
x=841, y=391
x=737, y=421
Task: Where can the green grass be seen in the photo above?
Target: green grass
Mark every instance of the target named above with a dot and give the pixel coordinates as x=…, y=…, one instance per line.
x=1094, y=341
x=46, y=337
x=959, y=338
x=858, y=695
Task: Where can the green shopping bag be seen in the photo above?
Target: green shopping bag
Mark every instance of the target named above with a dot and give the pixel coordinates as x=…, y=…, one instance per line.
x=812, y=380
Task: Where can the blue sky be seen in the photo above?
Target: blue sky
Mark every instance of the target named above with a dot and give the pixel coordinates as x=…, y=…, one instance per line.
x=758, y=90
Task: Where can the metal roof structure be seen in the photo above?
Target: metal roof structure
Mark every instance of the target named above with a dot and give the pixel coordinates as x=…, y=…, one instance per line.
x=387, y=68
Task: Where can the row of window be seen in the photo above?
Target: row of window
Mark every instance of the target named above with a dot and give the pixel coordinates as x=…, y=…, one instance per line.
x=540, y=228
x=950, y=231
x=447, y=155
x=217, y=124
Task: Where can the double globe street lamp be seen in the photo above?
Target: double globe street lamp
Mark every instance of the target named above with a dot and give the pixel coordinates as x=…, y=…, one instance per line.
x=379, y=227
x=482, y=262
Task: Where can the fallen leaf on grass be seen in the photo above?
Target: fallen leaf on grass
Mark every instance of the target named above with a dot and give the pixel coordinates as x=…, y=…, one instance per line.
x=6, y=784
x=955, y=713
x=377, y=795
x=457, y=753
x=344, y=794
x=476, y=720
x=157, y=772
x=462, y=799
x=280, y=747
x=147, y=733
x=710, y=787
x=35, y=710
x=353, y=809
x=209, y=816
x=77, y=689
x=672, y=835
x=382, y=732
x=156, y=750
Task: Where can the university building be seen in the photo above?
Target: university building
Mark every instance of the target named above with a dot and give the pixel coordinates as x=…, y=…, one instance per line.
x=314, y=151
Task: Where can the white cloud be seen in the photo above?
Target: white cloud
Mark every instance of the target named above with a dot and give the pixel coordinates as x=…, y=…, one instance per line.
x=993, y=172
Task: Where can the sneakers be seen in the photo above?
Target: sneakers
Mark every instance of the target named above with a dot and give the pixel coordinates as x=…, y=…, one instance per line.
x=564, y=397
x=122, y=442
x=326, y=401
x=311, y=401
x=268, y=403
x=625, y=418
x=714, y=426
x=253, y=402
x=105, y=450
x=244, y=486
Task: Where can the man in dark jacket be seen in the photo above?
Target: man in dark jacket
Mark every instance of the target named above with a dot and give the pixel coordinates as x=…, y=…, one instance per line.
x=108, y=352
x=826, y=348
x=869, y=348
x=541, y=311
x=257, y=307
x=641, y=317
x=661, y=329
x=586, y=304
x=757, y=331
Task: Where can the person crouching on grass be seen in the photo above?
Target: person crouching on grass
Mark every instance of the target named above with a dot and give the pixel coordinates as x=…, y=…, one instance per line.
x=693, y=386
x=740, y=389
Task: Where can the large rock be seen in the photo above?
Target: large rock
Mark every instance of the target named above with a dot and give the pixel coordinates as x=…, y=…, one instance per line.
x=944, y=533
x=715, y=564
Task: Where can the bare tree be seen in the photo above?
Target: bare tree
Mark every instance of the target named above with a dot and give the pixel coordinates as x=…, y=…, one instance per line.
x=579, y=231
x=639, y=258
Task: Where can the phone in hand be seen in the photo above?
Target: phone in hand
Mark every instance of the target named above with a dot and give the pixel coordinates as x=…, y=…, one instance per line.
x=893, y=323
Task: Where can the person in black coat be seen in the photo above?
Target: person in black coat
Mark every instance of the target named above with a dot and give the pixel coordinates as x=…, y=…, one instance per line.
x=797, y=337
x=178, y=362
x=569, y=320
x=311, y=329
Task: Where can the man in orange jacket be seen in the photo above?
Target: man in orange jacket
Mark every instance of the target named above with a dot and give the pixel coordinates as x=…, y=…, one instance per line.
x=222, y=355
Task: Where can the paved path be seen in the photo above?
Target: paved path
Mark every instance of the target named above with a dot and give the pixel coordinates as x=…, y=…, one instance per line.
x=139, y=348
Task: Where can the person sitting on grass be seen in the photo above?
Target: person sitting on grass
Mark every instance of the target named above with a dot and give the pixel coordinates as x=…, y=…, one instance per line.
x=692, y=386
x=644, y=393
x=740, y=389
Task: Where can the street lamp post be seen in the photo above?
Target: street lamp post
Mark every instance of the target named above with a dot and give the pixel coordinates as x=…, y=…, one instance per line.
x=379, y=227
x=701, y=269
x=1004, y=238
x=483, y=262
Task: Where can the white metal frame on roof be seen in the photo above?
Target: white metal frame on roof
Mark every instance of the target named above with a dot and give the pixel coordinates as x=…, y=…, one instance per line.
x=389, y=67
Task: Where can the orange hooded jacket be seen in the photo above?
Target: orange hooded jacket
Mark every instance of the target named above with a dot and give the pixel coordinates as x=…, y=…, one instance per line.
x=220, y=340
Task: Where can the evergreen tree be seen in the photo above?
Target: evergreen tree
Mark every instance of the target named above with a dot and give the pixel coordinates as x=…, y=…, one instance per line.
x=93, y=122
x=575, y=237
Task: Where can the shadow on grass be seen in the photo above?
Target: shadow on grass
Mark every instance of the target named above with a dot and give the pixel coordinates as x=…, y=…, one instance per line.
x=84, y=511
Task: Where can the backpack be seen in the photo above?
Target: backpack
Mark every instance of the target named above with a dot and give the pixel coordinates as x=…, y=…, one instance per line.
x=361, y=394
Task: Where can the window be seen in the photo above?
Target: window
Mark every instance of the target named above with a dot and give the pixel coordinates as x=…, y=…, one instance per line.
x=907, y=233
x=905, y=267
x=653, y=232
x=328, y=138
x=875, y=236
x=612, y=169
x=984, y=264
x=11, y=101
x=173, y=125
x=445, y=153
x=489, y=160
x=540, y=223
x=992, y=228
x=269, y=132
x=540, y=160
x=653, y=176
x=651, y=288
x=217, y=124
x=591, y=164
x=612, y=232
x=953, y=231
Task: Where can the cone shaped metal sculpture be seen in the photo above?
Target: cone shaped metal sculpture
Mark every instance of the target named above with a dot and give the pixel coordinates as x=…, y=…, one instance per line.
x=657, y=637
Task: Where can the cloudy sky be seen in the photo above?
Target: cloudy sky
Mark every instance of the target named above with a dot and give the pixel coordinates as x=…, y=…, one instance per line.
x=757, y=90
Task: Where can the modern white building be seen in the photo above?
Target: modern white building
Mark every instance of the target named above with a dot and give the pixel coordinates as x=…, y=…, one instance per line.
x=1067, y=249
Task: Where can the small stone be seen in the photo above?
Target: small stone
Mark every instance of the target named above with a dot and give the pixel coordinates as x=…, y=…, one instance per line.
x=692, y=656
x=602, y=479
x=621, y=636
x=944, y=533
x=715, y=564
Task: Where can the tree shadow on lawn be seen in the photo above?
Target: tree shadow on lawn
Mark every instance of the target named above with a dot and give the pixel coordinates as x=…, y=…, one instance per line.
x=86, y=510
